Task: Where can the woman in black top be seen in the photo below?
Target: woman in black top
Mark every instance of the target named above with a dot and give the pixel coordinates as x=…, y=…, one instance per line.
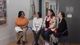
x=62, y=28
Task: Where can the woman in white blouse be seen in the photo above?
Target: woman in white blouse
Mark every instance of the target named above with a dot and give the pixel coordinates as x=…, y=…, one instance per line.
x=37, y=24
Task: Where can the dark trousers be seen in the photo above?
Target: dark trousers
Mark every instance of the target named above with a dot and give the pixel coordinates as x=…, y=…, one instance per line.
x=46, y=34
x=36, y=36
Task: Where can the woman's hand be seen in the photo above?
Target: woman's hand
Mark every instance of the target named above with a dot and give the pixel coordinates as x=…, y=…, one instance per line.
x=46, y=29
x=48, y=18
x=53, y=30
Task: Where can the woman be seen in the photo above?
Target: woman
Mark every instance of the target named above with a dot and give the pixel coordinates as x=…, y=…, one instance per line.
x=50, y=25
x=21, y=23
x=62, y=27
x=37, y=24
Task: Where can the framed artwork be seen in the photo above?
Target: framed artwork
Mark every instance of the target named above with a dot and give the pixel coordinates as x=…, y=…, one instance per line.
x=2, y=12
x=53, y=5
x=50, y=6
x=47, y=6
x=32, y=9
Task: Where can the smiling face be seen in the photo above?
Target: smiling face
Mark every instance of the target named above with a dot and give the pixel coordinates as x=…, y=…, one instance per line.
x=59, y=15
x=22, y=15
x=49, y=13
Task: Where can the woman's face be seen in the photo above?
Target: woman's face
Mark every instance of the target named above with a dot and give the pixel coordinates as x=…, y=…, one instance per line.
x=59, y=15
x=37, y=15
x=23, y=15
x=49, y=13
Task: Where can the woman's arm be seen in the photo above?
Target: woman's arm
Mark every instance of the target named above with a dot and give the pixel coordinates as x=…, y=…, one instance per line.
x=26, y=22
x=44, y=21
x=53, y=23
x=40, y=23
x=33, y=24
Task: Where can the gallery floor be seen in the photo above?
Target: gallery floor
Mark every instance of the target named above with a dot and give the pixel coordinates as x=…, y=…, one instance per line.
x=30, y=40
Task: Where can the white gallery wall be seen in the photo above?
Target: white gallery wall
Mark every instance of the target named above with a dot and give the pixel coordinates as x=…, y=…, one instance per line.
x=7, y=33
x=13, y=7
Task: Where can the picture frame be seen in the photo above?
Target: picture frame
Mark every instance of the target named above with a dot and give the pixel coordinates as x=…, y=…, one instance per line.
x=47, y=6
x=32, y=9
x=3, y=18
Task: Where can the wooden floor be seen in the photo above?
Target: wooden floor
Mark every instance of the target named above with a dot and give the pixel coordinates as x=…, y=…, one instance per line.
x=30, y=40
x=59, y=44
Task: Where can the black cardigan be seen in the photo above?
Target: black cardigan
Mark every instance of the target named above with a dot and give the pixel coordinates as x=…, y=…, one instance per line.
x=62, y=28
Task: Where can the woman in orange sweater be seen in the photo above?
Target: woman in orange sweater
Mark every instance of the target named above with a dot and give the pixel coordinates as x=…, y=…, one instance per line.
x=21, y=23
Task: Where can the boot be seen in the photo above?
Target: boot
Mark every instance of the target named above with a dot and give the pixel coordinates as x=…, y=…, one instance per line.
x=55, y=43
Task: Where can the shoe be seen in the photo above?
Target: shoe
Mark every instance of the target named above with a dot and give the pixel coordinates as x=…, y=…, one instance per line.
x=23, y=42
x=36, y=44
x=18, y=42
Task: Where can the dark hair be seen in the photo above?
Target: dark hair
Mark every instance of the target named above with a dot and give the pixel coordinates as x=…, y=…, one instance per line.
x=63, y=14
x=39, y=14
x=53, y=14
x=20, y=13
